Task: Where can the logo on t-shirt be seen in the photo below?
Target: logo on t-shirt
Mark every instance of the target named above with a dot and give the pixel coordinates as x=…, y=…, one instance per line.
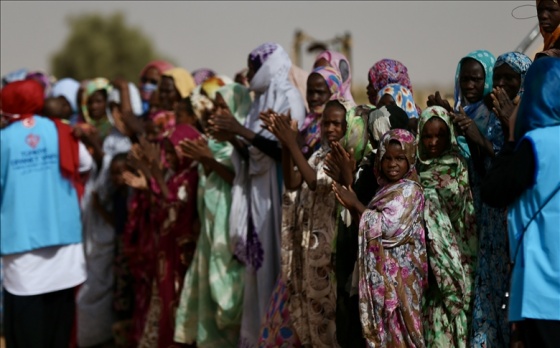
x=29, y=122
x=32, y=140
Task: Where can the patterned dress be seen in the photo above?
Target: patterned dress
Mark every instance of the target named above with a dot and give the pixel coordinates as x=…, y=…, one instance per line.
x=392, y=260
x=452, y=241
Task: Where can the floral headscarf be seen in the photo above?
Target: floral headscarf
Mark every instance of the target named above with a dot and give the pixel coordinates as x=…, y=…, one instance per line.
x=338, y=61
x=311, y=129
x=387, y=71
x=408, y=143
x=164, y=120
x=519, y=62
x=428, y=114
x=540, y=105
x=402, y=96
x=259, y=55
x=201, y=75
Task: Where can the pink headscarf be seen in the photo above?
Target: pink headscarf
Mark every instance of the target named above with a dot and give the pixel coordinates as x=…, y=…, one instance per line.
x=335, y=59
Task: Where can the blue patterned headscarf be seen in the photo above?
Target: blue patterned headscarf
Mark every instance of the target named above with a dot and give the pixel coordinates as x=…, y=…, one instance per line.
x=258, y=55
x=540, y=105
x=519, y=62
x=402, y=96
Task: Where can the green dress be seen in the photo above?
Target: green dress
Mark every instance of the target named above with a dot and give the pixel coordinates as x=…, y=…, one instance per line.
x=210, y=309
x=452, y=241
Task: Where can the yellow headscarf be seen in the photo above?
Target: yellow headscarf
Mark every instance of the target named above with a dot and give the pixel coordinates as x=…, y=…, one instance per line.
x=183, y=80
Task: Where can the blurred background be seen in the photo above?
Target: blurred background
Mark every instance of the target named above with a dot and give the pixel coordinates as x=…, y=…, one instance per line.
x=85, y=39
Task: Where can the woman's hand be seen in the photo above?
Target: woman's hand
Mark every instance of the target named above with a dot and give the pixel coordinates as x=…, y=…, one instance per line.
x=285, y=129
x=266, y=119
x=346, y=196
x=466, y=125
x=197, y=149
x=437, y=100
x=340, y=165
x=503, y=106
x=225, y=122
x=138, y=182
x=151, y=152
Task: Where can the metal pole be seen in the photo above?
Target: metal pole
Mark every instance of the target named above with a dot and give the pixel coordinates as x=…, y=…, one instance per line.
x=528, y=40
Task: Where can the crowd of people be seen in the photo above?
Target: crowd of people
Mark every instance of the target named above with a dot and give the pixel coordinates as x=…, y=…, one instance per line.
x=269, y=210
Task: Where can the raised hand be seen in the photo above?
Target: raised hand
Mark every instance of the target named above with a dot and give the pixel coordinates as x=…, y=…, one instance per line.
x=266, y=119
x=285, y=129
x=138, y=182
x=346, y=197
x=503, y=106
x=197, y=149
x=151, y=151
x=437, y=100
x=340, y=165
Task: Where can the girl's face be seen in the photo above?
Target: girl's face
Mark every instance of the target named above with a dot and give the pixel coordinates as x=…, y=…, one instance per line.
x=170, y=154
x=96, y=105
x=333, y=123
x=435, y=137
x=386, y=100
x=471, y=80
x=394, y=164
x=371, y=93
x=318, y=93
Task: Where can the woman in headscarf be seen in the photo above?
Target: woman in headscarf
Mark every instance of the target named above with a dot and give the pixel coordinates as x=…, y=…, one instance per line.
x=392, y=262
x=304, y=301
x=150, y=76
x=490, y=327
x=548, y=13
x=383, y=73
x=95, y=298
x=175, y=84
x=210, y=309
x=173, y=218
x=532, y=196
x=323, y=84
x=255, y=217
x=338, y=61
x=94, y=105
x=66, y=90
x=451, y=232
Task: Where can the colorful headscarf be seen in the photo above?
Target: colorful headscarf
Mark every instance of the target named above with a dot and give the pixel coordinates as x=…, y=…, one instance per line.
x=387, y=71
x=238, y=99
x=540, y=105
x=408, y=144
x=259, y=55
x=549, y=38
x=92, y=86
x=67, y=88
x=382, y=120
x=338, y=61
x=201, y=75
x=160, y=65
x=182, y=79
x=311, y=129
x=453, y=150
x=212, y=84
x=164, y=120
x=519, y=62
x=333, y=80
x=402, y=96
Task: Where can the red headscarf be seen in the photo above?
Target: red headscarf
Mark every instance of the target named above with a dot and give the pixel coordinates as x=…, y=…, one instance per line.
x=23, y=99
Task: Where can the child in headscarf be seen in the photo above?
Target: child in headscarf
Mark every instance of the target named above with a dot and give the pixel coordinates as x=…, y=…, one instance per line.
x=210, y=309
x=338, y=61
x=392, y=261
x=150, y=76
x=304, y=302
x=451, y=230
x=395, y=94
